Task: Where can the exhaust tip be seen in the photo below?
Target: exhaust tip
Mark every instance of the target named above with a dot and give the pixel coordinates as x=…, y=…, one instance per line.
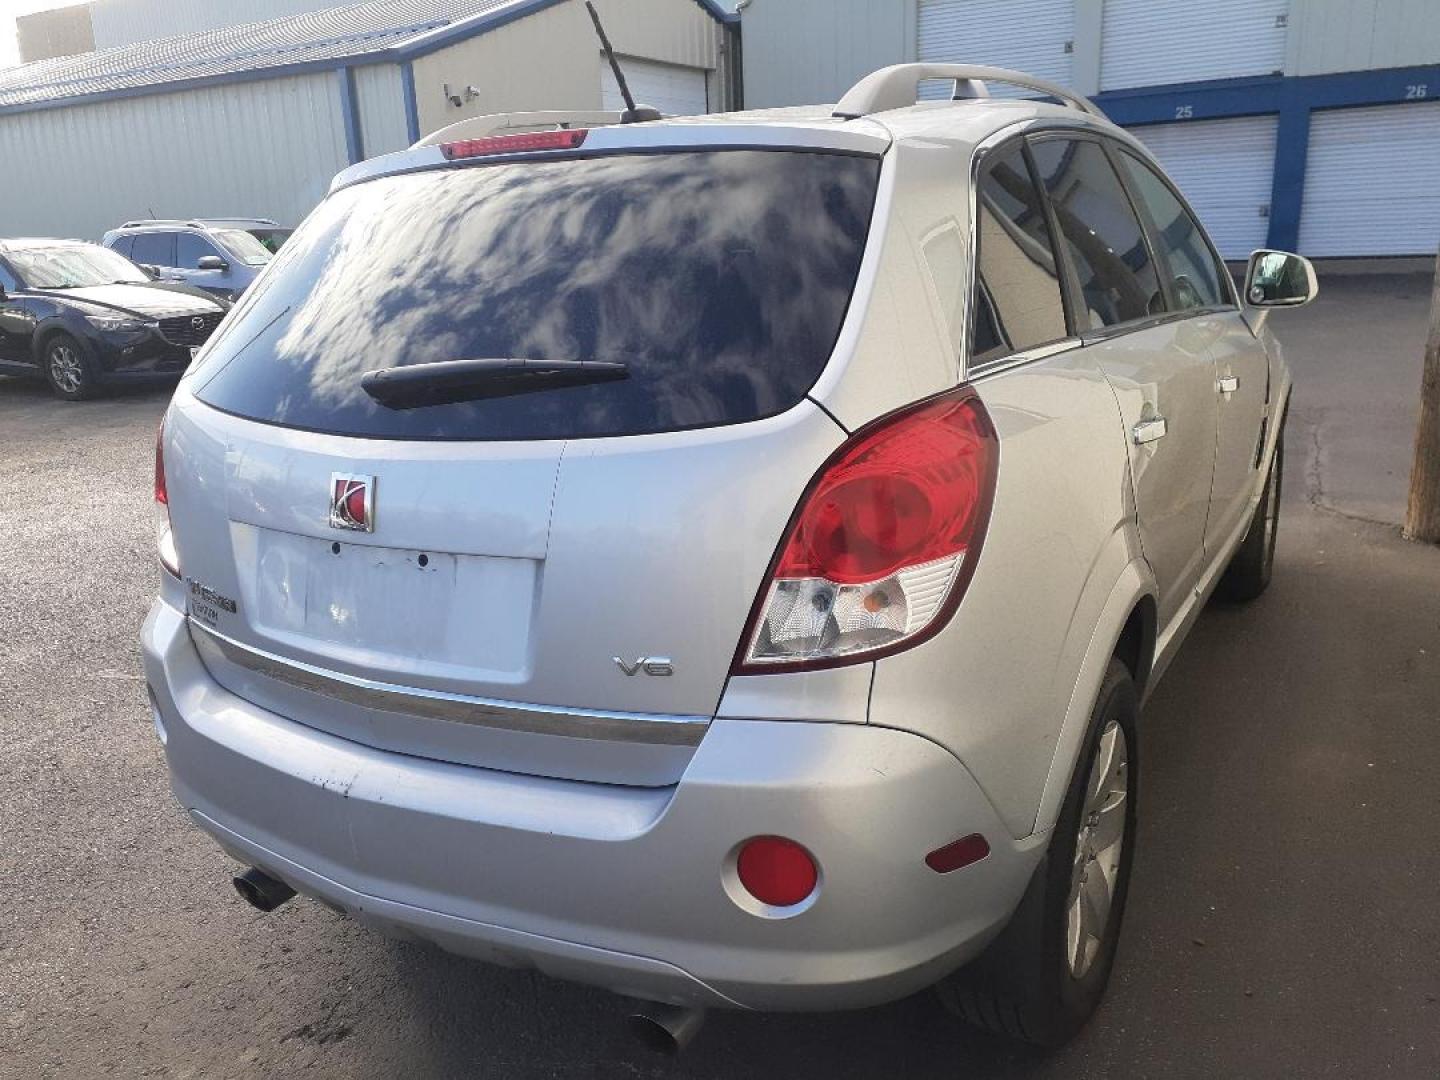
x=665, y=1029
x=260, y=890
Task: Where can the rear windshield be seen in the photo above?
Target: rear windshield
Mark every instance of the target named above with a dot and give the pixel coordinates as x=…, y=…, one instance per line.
x=719, y=279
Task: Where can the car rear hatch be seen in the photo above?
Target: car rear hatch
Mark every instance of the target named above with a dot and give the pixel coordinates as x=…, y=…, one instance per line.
x=545, y=568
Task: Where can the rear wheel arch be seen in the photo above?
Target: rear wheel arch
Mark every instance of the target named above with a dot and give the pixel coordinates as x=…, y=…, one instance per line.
x=1126, y=629
x=1135, y=647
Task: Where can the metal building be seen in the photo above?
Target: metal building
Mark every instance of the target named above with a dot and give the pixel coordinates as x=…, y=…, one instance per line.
x=256, y=119
x=1302, y=124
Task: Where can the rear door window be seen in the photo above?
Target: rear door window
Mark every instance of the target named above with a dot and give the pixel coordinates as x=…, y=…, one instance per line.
x=720, y=279
x=1103, y=238
x=1180, y=243
x=1018, y=302
x=154, y=248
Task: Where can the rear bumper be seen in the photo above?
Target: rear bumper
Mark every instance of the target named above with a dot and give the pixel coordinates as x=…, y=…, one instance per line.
x=622, y=887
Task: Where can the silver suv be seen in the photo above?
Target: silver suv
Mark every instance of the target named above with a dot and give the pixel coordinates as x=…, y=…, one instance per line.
x=722, y=559
x=220, y=255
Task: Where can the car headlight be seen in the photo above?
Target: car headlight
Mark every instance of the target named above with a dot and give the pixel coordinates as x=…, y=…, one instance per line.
x=115, y=323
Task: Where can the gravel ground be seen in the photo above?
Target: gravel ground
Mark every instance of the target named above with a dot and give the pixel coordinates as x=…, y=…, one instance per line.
x=1283, y=909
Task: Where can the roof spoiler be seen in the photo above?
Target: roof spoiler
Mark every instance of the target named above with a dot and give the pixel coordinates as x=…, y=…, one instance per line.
x=514, y=123
x=895, y=87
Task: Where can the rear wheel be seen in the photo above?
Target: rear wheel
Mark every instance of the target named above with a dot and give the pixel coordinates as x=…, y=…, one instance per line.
x=1043, y=977
x=1250, y=569
x=68, y=369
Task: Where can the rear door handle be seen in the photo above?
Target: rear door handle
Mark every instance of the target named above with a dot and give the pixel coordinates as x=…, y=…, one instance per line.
x=1147, y=431
x=1228, y=384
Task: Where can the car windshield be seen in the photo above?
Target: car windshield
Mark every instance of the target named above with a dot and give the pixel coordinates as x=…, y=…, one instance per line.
x=272, y=239
x=245, y=247
x=717, y=282
x=72, y=266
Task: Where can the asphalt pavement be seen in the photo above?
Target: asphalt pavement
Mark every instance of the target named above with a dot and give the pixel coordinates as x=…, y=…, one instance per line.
x=1283, y=917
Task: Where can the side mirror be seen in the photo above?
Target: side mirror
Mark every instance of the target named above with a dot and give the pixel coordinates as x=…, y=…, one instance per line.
x=1279, y=279
x=150, y=270
x=211, y=262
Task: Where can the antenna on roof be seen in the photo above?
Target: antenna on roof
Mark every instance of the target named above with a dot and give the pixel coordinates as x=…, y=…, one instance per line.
x=633, y=113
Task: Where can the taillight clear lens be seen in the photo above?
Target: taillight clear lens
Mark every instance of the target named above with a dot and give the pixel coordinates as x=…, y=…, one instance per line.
x=164, y=538
x=883, y=543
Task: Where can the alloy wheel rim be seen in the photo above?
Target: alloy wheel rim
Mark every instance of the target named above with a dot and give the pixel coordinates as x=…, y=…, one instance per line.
x=1099, y=845
x=65, y=368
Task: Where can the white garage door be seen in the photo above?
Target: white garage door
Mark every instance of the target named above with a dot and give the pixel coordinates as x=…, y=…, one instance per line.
x=674, y=90
x=1145, y=43
x=1034, y=36
x=1370, y=182
x=1225, y=169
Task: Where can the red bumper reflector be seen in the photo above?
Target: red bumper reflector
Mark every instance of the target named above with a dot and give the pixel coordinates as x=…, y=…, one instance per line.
x=515, y=144
x=776, y=871
x=962, y=852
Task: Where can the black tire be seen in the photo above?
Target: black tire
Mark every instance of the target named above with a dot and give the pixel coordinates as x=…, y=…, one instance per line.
x=1024, y=985
x=68, y=368
x=1253, y=563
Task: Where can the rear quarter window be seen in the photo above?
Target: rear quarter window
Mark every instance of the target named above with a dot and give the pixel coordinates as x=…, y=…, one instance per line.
x=720, y=278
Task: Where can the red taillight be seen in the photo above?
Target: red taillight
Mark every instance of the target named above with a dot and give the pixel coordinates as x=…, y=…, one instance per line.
x=164, y=537
x=776, y=871
x=567, y=139
x=161, y=494
x=958, y=853
x=883, y=543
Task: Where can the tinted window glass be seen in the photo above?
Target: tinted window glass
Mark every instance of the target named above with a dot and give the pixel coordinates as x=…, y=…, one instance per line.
x=272, y=239
x=189, y=248
x=719, y=278
x=1018, y=300
x=7, y=280
x=123, y=244
x=155, y=248
x=1178, y=240
x=1102, y=236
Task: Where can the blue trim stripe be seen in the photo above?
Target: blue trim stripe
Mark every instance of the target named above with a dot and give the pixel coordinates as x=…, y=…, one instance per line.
x=1287, y=186
x=350, y=112
x=1291, y=99
x=412, y=109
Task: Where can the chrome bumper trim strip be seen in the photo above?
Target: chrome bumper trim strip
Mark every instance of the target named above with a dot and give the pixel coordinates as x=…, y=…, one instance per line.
x=658, y=728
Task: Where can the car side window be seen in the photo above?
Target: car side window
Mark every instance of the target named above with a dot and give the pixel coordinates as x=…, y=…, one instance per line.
x=7, y=280
x=1179, y=241
x=123, y=244
x=189, y=248
x=154, y=248
x=1103, y=238
x=1018, y=302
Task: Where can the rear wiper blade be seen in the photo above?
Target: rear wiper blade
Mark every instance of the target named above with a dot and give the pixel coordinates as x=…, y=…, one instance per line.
x=448, y=381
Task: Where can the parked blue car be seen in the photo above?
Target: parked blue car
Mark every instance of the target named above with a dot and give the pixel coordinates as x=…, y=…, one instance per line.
x=220, y=255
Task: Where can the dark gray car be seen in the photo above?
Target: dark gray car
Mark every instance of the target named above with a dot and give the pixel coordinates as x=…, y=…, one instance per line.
x=220, y=255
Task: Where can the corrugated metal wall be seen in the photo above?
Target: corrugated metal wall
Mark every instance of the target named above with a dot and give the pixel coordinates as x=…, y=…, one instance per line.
x=551, y=59
x=985, y=32
x=1144, y=43
x=268, y=148
x=806, y=51
x=1352, y=35
x=122, y=22
x=1224, y=168
x=381, y=101
x=1370, y=181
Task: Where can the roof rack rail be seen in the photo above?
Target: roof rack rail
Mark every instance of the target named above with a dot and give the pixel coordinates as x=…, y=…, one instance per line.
x=137, y=222
x=895, y=87
x=477, y=127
